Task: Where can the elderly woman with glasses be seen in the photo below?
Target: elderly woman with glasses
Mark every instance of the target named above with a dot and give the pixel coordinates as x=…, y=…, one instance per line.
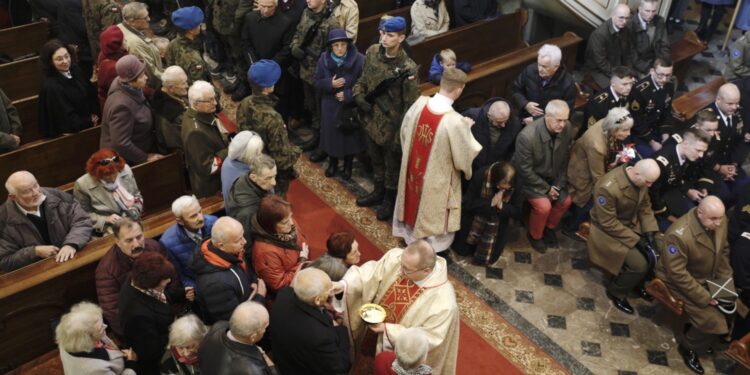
x=601, y=149
x=108, y=191
x=84, y=346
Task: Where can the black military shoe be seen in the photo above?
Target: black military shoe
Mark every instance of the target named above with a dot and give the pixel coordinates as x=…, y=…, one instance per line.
x=691, y=359
x=622, y=304
x=538, y=245
x=385, y=211
x=346, y=174
x=331, y=170
x=550, y=238
x=317, y=156
x=643, y=294
x=372, y=199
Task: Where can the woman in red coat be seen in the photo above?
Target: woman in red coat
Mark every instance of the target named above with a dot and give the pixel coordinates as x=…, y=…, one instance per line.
x=112, y=47
x=279, y=248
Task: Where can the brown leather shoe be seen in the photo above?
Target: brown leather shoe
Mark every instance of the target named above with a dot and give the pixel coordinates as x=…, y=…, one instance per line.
x=584, y=231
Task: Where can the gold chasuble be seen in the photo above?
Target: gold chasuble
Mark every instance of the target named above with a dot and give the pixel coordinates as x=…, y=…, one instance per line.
x=430, y=305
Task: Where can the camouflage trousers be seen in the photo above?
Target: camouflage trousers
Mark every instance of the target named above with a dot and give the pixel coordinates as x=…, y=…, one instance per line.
x=386, y=163
x=231, y=45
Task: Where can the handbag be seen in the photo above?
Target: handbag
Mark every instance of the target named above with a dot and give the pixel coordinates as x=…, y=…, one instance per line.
x=723, y=291
x=347, y=118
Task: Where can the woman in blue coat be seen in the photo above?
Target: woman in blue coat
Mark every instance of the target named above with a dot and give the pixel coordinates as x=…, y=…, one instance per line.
x=338, y=69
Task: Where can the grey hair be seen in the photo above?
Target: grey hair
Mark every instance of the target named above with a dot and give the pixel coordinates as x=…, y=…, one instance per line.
x=333, y=267
x=187, y=330
x=610, y=125
x=222, y=226
x=310, y=283
x=160, y=42
x=552, y=51
x=130, y=10
x=197, y=90
x=9, y=187
x=411, y=347
x=173, y=75
x=77, y=331
x=245, y=146
x=427, y=257
x=555, y=106
x=181, y=203
x=247, y=318
x=262, y=162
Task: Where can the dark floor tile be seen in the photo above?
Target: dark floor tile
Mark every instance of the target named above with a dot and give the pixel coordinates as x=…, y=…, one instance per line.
x=552, y=279
x=623, y=372
x=714, y=72
x=707, y=54
x=524, y=296
x=522, y=257
x=657, y=357
x=724, y=365
x=592, y=349
x=579, y=263
x=584, y=303
x=647, y=311
x=558, y=322
x=494, y=273
x=619, y=329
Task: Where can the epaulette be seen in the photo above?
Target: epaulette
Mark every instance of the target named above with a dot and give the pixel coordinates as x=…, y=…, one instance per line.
x=706, y=180
x=677, y=137
x=601, y=97
x=663, y=160
x=746, y=235
x=680, y=231
x=643, y=85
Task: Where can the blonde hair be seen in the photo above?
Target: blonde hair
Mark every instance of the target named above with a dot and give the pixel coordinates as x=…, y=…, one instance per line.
x=77, y=331
x=447, y=55
x=452, y=79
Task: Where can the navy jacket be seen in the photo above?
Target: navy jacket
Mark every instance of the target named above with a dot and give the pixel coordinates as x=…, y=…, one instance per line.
x=180, y=247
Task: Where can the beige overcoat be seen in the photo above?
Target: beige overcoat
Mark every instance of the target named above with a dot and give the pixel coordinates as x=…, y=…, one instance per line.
x=587, y=164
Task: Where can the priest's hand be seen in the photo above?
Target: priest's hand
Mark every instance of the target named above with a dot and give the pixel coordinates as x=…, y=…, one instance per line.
x=377, y=328
x=65, y=254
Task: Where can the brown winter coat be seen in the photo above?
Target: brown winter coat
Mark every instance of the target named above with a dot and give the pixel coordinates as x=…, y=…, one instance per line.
x=621, y=213
x=127, y=125
x=587, y=164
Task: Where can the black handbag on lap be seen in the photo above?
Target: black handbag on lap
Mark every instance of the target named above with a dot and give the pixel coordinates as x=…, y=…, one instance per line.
x=348, y=119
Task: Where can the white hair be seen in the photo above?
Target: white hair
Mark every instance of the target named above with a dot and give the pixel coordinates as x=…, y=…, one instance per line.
x=556, y=106
x=310, y=283
x=248, y=318
x=552, y=51
x=77, y=330
x=10, y=187
x=161, y=43
x=197, y=90
x=186, y=331
x=411, y=347
x=181, y=203
x=130, y=10
x=617, y=119
x=245, y=146
x=172, y=75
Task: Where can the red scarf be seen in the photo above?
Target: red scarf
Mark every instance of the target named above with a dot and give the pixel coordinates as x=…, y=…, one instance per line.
x=192, y=360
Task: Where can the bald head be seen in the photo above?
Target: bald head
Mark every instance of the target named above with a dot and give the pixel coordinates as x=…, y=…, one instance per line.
x=648, y=171
x=23, y=189
x=711, y=212
x=17, y=179
x=620, y=16
x=228, y=235
x=728, y=98
x=249, y=321
x=499, y=113
x=312, y=286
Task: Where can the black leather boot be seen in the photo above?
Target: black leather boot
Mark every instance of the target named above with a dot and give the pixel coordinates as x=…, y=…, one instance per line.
x=385, y=211
x=347, y=173
x=333, y=165
x=691, y=359
x=374, y=198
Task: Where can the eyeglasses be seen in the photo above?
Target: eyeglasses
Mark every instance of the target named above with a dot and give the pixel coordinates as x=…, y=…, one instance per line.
x=210, y=100
x=109, y=161
x=662, y=75
x=623, y=119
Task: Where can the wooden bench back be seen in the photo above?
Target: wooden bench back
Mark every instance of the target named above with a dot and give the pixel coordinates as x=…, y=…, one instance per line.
x=369, y=8
x=368, y=33
x=494, y=78
x=54, y=162
x=683, y=51
x=475, y=43
x=686, y=106
x=21, y=79
x=28, y=111
x=24, y=40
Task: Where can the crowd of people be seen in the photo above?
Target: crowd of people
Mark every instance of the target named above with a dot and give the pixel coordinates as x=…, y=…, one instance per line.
x=231, y=294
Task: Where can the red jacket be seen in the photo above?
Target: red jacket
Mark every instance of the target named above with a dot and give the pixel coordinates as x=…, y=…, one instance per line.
x=110, y=44
x=276, y=265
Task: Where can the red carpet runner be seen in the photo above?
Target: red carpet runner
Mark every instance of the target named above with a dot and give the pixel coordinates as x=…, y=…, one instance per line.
x=317, y=220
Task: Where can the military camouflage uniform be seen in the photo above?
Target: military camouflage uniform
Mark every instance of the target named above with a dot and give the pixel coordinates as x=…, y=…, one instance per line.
x=187, y=54
x=98, y=15
x=384, y=122
x=226, y=17
x=257, y=113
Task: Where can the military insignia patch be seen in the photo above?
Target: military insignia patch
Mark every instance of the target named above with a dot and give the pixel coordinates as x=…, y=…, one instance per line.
x=677, y=137
x=672, y=249
x=592, y=121
x=601, y=200
x=662, y=160
x=736, y=53
x=602, y=97
x=634, y=105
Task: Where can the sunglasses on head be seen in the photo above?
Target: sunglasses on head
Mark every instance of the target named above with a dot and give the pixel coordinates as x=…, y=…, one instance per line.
x=109, y=161
x=623, y=119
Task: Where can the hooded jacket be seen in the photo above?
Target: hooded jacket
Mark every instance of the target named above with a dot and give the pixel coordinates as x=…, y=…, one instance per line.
x=110, y=44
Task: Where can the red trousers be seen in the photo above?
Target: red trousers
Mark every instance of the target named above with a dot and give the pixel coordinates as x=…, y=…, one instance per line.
x=544, y=212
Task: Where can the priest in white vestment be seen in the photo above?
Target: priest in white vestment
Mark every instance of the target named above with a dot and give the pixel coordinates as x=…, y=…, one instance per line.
x=412, y=286
x=437, y=146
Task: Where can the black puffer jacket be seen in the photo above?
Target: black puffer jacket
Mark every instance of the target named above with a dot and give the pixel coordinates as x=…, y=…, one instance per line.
x=220, y=356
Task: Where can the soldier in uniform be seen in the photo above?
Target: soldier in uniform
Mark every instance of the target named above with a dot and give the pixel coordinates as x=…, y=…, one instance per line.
x=97, y=16
x=309, y=41
x=257, y=113
x=697, y=250
x=622, y=226
x=651, y=105
x=615, y=95
x=205, y=137
x=649, y=32
x=739, y=59
x=673, y=194
x=385, y=91
x=185, y=50
x=609, y=45
x=225, y=17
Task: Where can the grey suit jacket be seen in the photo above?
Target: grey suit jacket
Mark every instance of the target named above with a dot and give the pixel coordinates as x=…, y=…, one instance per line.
x=541, y=161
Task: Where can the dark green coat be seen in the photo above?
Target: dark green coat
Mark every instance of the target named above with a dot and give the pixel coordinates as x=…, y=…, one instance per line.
x=203, y=142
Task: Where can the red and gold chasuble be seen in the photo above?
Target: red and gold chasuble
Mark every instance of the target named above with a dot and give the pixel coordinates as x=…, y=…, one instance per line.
x=398, y=298
x=421, y=145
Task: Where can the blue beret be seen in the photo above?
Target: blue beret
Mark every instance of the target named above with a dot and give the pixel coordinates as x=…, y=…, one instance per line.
x=187, y=18
x=393, y=25
x=264, y=73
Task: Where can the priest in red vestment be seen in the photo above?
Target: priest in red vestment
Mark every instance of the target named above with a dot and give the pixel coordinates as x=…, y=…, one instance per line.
x=437, y=146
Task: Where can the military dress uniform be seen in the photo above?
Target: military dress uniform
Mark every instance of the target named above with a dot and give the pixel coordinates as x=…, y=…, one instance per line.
x=739, y=59
x=383, y=123
x=692, y=256
x=651, y=107
x=669, y=192
x=98, y=15
x=206, y=147
x=728, y=147
x=257, y=113
x=621, y=214
x=598, y=106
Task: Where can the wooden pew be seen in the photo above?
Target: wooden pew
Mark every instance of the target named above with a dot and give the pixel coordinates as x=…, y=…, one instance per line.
x=54, y=162
x=659, y=290
x=24, y=40
x=34, y=296
x=683, y=51
x=739, y=350
x=21, y=79
x=367, y=33
x=495, y=77
x=476, y=42
x=369, y=8
x=28, y=111
x=686, y=106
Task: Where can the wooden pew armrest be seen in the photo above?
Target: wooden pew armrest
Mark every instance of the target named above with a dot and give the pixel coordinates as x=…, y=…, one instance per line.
x=738, y=351
x=661, y=292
